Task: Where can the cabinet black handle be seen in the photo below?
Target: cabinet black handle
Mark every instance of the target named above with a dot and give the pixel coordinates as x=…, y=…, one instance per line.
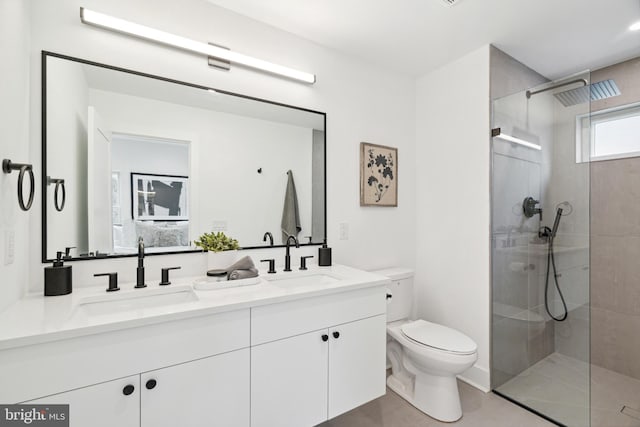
x=325, y=337
x=336, y=334
x=151, y=384
x=128, y=389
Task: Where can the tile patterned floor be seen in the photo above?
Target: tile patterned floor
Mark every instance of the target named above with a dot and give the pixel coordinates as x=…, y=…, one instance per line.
x=558, y=386
x=480, y=410
x=555, y=385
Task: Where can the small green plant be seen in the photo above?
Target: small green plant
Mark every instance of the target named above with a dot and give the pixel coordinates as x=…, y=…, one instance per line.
x=216, y=242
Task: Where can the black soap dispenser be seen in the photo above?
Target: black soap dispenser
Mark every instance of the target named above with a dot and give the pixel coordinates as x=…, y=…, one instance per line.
x=57, y=278
x=324, y=255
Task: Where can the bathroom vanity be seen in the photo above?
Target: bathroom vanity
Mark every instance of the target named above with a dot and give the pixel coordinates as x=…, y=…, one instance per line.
x=294, y=350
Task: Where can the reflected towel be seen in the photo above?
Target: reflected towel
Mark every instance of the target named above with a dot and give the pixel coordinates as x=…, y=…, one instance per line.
x=290, y=223
x=242, y=274
x=244, y=263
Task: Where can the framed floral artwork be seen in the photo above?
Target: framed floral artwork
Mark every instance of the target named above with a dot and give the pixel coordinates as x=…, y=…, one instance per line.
x=378, y=175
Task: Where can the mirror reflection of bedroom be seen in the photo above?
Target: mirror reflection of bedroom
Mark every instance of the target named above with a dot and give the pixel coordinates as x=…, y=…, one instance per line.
x=149, y=193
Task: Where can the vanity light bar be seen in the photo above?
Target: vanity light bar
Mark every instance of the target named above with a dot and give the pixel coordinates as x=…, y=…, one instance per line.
x=496, y=133
x=109, y=22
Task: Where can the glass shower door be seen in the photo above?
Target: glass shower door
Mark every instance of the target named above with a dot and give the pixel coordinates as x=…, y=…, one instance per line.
x=540, y=251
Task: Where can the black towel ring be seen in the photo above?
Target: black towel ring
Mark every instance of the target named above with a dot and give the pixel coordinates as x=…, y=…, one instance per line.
x=8, y=167
x=59, y=184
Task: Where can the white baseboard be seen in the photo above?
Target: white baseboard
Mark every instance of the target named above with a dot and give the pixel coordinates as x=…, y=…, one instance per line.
x=477, y=377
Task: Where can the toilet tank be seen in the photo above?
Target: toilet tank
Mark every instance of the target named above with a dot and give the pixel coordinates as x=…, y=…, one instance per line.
x=400, y=304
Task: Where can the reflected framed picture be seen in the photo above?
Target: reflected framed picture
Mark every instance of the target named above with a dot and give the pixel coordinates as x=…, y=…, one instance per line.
x=378, y=175
x=159, y=197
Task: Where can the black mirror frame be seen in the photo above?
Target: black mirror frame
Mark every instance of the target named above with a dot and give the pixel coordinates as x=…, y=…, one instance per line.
x=46, y=54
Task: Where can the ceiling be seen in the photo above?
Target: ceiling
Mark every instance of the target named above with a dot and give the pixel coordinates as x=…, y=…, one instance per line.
x=554, y=37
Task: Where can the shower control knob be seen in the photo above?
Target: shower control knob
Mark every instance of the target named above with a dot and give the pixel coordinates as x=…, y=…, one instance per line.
x=325, y=337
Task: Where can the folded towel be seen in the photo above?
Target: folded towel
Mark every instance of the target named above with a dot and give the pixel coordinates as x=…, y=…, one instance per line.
x=244, y=263
x=242, y=274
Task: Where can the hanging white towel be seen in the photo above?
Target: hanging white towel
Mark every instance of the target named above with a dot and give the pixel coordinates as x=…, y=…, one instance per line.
x=290, y=224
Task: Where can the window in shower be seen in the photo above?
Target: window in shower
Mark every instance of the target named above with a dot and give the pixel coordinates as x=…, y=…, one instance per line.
x=614, y=134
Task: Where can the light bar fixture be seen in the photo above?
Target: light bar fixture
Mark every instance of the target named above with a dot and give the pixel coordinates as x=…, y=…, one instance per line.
x=497, y=133
x=120, y=25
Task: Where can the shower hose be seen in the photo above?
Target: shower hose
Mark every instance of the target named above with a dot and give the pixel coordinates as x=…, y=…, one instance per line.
x=551, y=263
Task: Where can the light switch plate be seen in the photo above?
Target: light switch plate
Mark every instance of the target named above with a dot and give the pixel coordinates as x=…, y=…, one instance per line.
x=9, y=247
x=344, y=231
x=219, y=225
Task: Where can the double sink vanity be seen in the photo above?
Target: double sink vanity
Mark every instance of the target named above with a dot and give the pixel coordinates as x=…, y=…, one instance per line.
x=133, y=155
x=289, y=349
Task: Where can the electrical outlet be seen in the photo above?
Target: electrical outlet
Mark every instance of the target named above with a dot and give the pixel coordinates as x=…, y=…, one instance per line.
x=344, y=231
x=9, y=247
x=219, y=225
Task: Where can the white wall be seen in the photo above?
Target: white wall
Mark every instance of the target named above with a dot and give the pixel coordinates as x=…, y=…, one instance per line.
x=363, y=103
x=14, y=144
x=452, y=231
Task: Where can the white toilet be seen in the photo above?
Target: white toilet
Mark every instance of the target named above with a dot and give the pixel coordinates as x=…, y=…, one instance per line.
x=425, y=357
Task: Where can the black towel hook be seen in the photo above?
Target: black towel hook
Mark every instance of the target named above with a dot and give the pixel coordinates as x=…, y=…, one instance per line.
x=7, y=167
x=59, y=184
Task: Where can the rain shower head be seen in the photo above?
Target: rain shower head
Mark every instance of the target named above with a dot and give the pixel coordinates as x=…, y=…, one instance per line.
x=594, y=92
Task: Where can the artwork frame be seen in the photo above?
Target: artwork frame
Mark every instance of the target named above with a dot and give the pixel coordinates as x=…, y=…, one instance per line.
x=172, y=201
x=378, y=175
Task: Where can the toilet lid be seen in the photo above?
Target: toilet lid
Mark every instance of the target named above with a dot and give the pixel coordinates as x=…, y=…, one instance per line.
x=438, y=336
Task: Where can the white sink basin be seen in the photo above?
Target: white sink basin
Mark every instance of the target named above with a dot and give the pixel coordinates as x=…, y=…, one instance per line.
x=136, y=299
x=303, y=280
x=215, y=283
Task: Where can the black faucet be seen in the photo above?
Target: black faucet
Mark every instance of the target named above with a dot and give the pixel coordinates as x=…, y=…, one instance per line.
x=287, y=256
x=140, y=271
x=270, y=236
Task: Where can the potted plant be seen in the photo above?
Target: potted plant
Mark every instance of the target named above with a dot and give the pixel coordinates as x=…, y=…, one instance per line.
x=222, y=250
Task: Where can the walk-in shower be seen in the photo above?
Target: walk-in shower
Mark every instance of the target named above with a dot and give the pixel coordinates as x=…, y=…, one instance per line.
x=540, y=252
x=566, y=242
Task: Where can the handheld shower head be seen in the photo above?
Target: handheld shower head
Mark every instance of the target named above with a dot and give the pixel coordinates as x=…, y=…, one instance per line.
x=556, y=223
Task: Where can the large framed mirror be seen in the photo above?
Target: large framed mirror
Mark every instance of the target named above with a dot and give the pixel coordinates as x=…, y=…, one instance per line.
x=128, y=155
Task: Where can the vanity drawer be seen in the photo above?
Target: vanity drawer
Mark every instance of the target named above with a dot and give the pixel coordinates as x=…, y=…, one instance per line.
x=43, y=369
x=277, y=321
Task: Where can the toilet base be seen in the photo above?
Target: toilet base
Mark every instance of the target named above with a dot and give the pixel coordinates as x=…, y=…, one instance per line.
x=437, y=396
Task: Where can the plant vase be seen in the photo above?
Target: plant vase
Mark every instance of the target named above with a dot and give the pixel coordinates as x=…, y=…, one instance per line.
x=221, y=260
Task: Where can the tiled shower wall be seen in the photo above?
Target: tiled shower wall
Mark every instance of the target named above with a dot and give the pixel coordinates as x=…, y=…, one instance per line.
x=615, y=243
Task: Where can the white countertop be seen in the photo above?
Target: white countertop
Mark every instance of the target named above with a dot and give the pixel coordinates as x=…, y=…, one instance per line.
x=37, y=319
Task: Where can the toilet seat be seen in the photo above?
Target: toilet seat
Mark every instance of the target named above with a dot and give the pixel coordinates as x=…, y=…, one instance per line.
x=438, y=337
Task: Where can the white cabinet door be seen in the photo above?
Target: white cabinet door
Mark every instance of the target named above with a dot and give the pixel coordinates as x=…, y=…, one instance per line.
x=357, y=361
x=213, y=391
x=289, y=381
x=114, y=403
